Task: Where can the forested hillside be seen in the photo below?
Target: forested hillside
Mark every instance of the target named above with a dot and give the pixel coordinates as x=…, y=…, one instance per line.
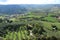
x=24, y=8
x=30, y=22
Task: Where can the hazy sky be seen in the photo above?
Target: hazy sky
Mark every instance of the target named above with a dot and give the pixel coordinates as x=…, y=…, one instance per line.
x=29, y=1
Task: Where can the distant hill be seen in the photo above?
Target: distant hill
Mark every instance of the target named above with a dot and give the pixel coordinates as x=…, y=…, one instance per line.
x=24, y=8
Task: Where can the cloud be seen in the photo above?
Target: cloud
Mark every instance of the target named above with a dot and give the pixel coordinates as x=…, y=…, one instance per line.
x=31, y=2
x=3, y=0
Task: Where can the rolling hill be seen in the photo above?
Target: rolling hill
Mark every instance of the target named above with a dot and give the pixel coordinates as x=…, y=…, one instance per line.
x=24, y=8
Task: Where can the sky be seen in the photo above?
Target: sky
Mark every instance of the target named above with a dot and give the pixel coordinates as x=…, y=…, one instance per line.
x=5, y=2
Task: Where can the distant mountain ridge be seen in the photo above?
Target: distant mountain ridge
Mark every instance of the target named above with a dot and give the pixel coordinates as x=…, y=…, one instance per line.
x=24, y=8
